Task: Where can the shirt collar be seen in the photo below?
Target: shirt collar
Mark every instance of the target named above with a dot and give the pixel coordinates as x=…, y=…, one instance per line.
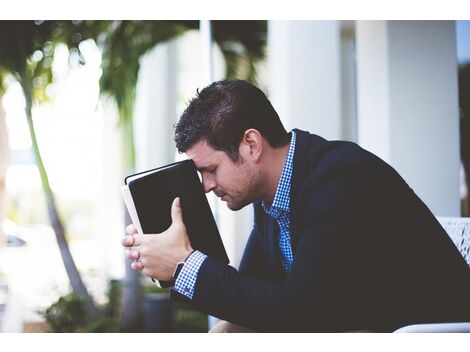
x=282, y=197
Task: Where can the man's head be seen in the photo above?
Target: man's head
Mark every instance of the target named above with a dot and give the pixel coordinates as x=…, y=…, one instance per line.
x=227, y=129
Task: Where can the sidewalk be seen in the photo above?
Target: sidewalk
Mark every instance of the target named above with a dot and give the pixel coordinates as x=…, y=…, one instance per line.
x=11, y=310
x=36, y=278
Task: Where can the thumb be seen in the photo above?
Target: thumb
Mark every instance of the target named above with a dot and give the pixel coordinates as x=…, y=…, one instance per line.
x=176, y=211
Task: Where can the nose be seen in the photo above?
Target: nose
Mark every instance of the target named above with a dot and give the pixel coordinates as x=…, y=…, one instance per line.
x=208, y=183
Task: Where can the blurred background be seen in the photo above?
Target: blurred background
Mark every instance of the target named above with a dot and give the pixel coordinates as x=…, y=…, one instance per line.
x=85, y=103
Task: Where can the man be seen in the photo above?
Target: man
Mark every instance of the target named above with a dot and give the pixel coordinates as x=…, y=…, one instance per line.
x=339, y=242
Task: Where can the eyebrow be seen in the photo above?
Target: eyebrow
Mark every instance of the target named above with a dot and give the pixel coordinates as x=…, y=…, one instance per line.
x=202, y=168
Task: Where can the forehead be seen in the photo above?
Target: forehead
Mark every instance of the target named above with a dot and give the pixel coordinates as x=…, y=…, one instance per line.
x=204, y=155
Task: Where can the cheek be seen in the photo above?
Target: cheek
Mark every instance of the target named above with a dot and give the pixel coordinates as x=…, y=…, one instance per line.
x=235, y=180
x=224, y=179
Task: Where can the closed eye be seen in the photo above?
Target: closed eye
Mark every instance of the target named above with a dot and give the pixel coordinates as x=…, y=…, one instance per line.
x=207, y=169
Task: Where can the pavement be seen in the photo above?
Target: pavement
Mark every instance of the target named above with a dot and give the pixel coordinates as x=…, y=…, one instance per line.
x=33, y=277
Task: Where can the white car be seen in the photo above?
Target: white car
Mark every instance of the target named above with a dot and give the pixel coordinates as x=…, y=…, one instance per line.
x=18, y=236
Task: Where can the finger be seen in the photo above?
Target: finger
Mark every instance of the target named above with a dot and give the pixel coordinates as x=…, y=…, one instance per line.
x=176, y=211
x=128, y=241
x=137, y=240
x=132, y=254
x=137, y=266
x=131, y=230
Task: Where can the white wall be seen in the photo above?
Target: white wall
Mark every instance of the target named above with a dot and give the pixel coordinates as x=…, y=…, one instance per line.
x=408, y=104
x=304, y=75
x=155, y=107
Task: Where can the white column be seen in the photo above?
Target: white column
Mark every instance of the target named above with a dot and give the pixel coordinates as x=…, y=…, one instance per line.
x=234, y=227
x=205, y=28
x=4, y=163
x=408, y=104
x=155, y=107
x=110, y=206
x=304, y=75
x=154, y=115
x=348, y=82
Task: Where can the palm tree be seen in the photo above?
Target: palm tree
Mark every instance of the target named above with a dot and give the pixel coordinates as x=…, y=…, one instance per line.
x=122, y=44
x=19, y=41
x=242, y=43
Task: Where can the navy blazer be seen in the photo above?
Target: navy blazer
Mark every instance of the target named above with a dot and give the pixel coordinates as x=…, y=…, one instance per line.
x=368, y=253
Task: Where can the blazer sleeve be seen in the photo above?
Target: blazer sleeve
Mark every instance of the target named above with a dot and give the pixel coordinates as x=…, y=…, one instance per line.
x=253, y=262
x=309, y=299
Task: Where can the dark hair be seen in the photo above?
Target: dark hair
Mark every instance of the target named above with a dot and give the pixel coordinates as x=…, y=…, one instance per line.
x=222, y=112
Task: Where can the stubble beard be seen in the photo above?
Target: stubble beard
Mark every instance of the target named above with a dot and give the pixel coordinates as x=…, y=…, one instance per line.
x=252, y=188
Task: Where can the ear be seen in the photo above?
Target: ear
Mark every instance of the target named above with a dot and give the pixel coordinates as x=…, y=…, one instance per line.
x=251, y=146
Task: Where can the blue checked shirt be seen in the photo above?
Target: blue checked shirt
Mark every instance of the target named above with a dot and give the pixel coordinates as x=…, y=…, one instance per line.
x=186, y=280
x=279, y=210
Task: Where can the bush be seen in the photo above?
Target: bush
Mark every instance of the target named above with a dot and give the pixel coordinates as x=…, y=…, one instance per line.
x=68, y=314
x=187, y=319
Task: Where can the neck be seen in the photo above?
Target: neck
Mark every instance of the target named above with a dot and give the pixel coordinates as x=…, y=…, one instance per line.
x=274, y=164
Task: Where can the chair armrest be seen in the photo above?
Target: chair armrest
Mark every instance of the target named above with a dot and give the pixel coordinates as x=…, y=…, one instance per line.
x=436, y=327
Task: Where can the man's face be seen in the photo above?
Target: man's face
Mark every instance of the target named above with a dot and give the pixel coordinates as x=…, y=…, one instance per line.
x=236, y=183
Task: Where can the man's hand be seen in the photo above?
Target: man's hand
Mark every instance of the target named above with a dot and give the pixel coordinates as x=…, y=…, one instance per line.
x=156, y=255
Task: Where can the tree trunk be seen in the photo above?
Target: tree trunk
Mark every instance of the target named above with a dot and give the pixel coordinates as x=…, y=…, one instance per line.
x=4, y=162
x=74, y=276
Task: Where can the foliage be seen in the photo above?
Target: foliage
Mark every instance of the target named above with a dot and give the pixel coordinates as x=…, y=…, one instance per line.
x=26, y=52
x=122, y=47
x=243, y=45
x=125, y=42
x=18, y=43
x=69, y=314
x=187, y=319
x=27, y=49
x=112, y=307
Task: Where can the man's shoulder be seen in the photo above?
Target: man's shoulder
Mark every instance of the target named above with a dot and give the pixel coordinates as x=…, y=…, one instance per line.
x=315, y=155
x=328, y=171
x=312, y=144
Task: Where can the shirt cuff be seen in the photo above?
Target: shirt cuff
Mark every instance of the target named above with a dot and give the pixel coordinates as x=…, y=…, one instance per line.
x=186, y=280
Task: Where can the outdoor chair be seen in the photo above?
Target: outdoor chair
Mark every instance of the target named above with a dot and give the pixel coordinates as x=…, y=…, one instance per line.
x=458, y=230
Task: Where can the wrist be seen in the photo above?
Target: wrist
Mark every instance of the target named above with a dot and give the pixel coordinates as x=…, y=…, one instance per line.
x=181, y=263
x=187, y=253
